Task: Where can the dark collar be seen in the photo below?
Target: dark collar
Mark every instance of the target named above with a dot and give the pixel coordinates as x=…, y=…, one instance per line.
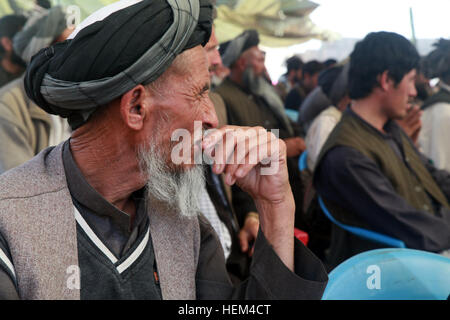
x=87, y=196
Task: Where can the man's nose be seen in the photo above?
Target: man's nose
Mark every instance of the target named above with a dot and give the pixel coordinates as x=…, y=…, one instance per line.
x=216, y=60
x=209, y=119
x=413, y=91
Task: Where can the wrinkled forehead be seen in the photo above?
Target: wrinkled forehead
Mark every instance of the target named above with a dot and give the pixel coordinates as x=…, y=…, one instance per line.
x=190, y=67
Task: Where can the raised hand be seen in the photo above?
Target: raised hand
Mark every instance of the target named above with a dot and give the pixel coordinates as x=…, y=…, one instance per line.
x=255, y=160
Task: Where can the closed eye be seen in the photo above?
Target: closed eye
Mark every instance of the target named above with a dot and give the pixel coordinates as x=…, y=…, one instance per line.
x=205, y=89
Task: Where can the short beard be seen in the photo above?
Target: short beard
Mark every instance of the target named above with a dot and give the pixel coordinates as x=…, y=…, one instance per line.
x=176, y=190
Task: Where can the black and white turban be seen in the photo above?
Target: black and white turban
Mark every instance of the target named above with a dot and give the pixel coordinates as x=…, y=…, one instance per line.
x=230, y=51
x=128, y=43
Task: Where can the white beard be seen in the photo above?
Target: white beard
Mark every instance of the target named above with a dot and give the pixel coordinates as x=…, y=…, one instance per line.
x=169, y=189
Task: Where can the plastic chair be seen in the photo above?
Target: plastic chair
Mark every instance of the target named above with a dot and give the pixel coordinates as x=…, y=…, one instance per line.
x=363, y=233
x=390, y=274
x=302, y=161
x=292, y=114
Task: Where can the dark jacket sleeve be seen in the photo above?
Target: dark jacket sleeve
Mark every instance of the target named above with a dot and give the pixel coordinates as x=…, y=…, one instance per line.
x=354, y=182
x=8, y=287
x=242, y=204
x=14, y=145
x=269, y=277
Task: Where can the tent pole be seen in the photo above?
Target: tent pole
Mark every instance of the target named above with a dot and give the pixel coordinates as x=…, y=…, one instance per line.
x=413, y=30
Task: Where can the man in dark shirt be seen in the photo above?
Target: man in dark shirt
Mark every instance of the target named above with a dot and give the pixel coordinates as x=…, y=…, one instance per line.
x=11, y=65
x=310, y=76
x=369, y=172
x=74, y=221
x=292, y=76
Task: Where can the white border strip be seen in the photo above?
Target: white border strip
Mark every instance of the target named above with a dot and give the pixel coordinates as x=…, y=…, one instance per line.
x=136, y=253
x=83, y=224
x=8, y=262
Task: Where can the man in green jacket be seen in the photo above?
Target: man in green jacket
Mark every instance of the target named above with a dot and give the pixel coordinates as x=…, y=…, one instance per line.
x=369, y=172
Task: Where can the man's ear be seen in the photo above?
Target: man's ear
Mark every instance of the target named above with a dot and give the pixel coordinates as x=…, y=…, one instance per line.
x=384, y=80
x=241, y=64
x=6, y=44
x=134, y=107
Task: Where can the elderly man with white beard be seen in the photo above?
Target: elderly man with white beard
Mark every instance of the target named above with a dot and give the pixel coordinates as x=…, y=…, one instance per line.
x=108, y=214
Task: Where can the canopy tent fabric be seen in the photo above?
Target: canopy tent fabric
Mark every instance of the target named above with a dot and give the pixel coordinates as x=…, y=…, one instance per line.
x=23, y=6
x=280, y=23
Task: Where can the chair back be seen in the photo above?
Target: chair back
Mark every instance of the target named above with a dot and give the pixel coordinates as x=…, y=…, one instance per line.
x=292, y=114
x=363, y=233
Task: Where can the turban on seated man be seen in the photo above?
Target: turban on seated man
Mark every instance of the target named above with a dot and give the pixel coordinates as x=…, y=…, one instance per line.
x=109, y=204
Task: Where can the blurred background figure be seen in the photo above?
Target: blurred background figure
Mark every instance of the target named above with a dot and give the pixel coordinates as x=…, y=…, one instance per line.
x=329, y=63
x=334, y=85
x=292, y=76
x=11, y=65
x=433, y=139
x=25, y=129
x=215, y=201
x=215, y=61
x=309, y=79
x=311, y=71
x=311, y=107
x=423, y=87
x=252, y=101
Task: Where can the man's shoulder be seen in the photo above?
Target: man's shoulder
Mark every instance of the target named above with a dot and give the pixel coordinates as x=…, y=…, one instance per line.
x=42, y=174
x=12, y=90
x=442, y=96
x=216, y=98
x=228, y=90
x=13, y=100
x=346, y=141
x=438, y=110
x=331, y=113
